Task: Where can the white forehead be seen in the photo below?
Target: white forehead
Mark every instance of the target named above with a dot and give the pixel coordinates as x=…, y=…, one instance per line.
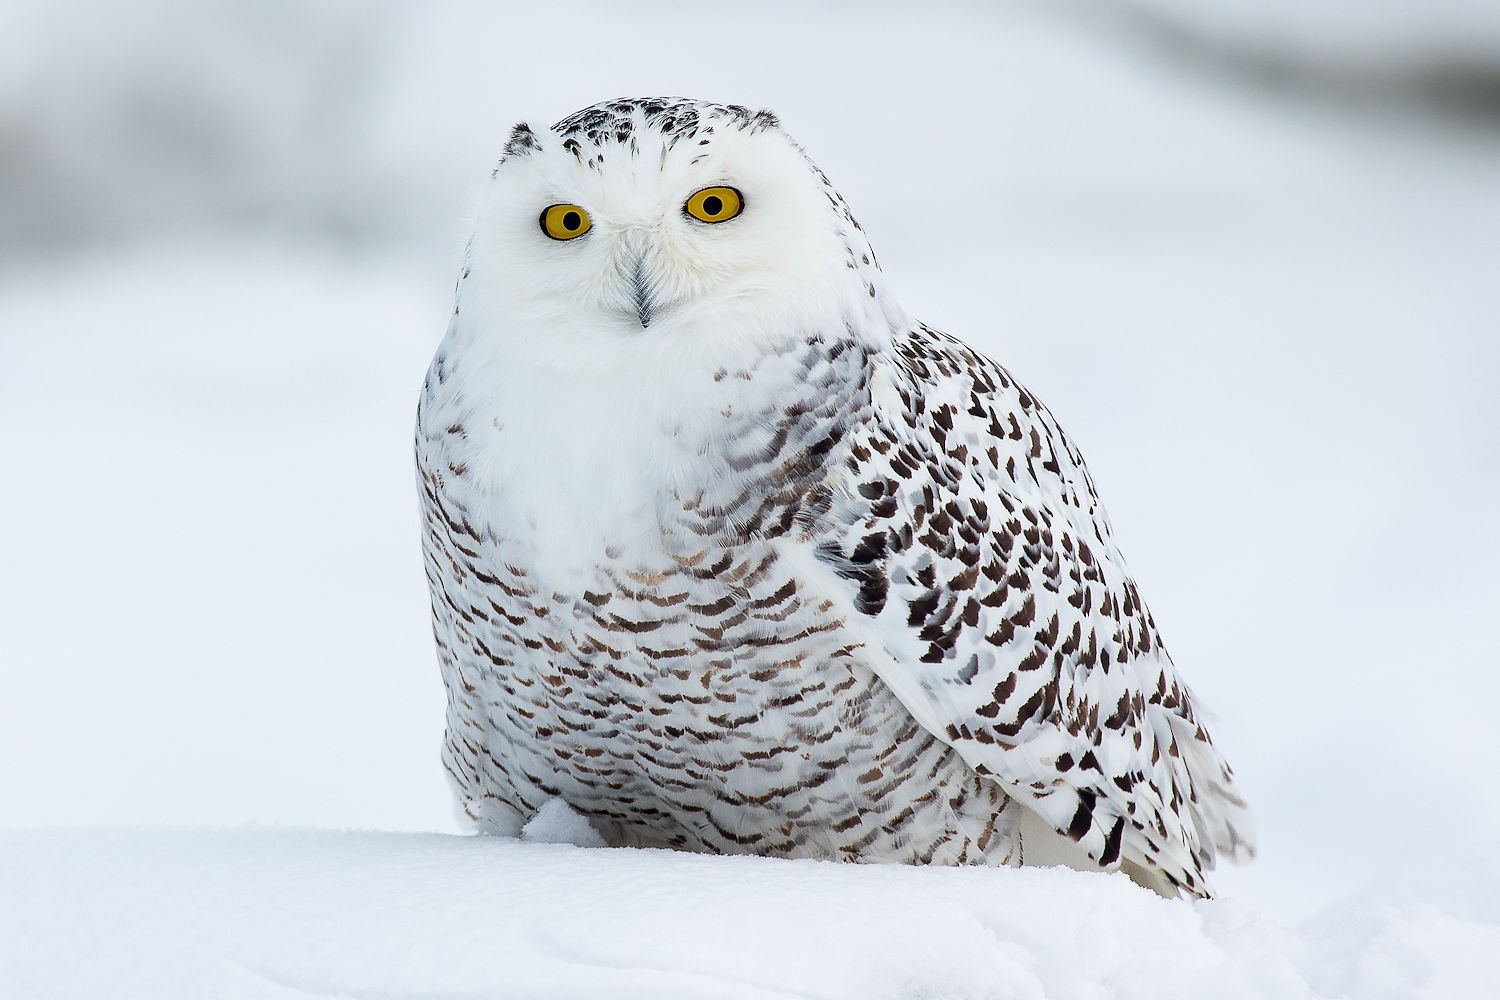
x=648, y=155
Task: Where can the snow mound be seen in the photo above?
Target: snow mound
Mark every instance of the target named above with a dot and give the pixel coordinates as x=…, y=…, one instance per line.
x=288, y=913
x=559, y=823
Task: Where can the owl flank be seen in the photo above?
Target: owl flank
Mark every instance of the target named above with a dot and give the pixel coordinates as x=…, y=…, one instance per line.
x=733, y=556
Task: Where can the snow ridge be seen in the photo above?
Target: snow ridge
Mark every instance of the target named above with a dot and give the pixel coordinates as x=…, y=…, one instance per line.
x=278, y=913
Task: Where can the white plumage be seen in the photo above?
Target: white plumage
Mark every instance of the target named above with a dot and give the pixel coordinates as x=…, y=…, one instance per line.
x=730, y=554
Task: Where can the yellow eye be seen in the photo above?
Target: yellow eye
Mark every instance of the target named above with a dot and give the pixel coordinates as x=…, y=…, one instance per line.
x=715, y=204
x=565, y=222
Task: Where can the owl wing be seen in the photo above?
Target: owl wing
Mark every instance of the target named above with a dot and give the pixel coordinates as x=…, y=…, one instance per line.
x=975, y=546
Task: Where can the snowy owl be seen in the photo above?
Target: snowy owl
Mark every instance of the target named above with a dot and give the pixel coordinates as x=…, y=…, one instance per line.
x=731, y=555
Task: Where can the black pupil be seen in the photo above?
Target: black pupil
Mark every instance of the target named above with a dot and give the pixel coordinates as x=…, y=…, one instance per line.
x=572, y=221
x=713, y=205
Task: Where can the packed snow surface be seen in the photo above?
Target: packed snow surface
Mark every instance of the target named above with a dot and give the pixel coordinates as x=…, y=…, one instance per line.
x=281, y=914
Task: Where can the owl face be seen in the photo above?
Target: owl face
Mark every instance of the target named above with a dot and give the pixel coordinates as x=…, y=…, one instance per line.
x=657, y=220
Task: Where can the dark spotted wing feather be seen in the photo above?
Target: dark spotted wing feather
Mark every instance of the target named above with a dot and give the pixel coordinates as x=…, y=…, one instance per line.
x=971, y=533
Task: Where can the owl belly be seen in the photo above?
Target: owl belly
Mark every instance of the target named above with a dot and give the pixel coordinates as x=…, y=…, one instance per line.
x=709, y=702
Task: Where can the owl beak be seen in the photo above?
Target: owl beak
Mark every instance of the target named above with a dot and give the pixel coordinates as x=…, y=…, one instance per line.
x=641, y=290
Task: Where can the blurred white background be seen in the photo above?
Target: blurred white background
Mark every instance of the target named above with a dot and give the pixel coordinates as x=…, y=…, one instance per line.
x=1249, y=253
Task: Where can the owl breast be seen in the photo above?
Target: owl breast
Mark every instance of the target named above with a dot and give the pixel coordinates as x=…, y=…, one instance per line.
x=707, y=701
x=670, y=667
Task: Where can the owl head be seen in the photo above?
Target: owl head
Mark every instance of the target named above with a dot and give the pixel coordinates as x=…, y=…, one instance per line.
x=663, y=221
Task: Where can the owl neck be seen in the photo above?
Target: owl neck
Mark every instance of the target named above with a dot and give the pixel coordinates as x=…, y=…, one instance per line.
x=658, y=455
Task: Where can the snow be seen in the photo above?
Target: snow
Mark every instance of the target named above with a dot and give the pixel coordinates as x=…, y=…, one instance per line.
x=295, y=913
x=558, y=823
x=225, y=264
x=1393, y=36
